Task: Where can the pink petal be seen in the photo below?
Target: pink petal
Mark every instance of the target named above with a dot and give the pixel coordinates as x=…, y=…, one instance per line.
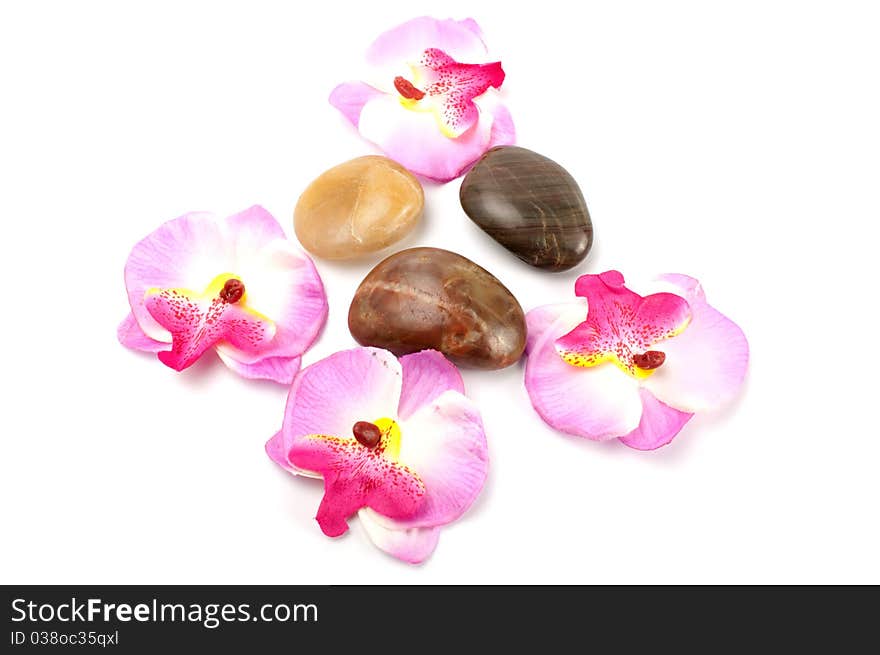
x=426, y=375
x=541, y=319
x=406, y=42
x=131, y=336
x=503, y=131
x=331, y=395
x=356, y=477
x=598, y=402
x=187, y=252
x=412, y=545
x=451, y=86
x=706, y=364
x=350, y=98
x=620, y=323
x=413, y=139
x=277, y=451
x=444, y=443
x=278, y=369
x=253, y=229
x=659, y=425
x=471, y=24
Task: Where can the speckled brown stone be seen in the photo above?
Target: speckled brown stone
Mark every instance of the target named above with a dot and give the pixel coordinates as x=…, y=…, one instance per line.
x=431, y=298
x=530, y=205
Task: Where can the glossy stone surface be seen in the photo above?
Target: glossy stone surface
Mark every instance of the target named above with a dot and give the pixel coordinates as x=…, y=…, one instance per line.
x=530, y=205
x=430, y=298
x=358, y=207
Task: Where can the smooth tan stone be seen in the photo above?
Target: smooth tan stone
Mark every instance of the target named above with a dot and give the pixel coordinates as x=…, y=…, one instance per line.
x=358, y=207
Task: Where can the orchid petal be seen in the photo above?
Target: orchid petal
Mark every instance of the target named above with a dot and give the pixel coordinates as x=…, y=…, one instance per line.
x=541, y=319
x=426, y=375
x=659, y=425
x=412, y=545
x=503, y=131
x=331, y=395
x=406, y=42
x=706, y=364
x=131, y=336
x=597, y=402
x=187, y=252
x=350, y=97
x=412, y=139
x=252, y=229
x=445, y=444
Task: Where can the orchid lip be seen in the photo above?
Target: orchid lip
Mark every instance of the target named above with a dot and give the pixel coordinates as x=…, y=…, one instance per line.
x=649, y=360
x=367, y=434
x=407, y=89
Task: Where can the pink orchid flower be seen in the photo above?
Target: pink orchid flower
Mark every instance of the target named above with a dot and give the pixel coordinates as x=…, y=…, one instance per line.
x=395, y=441
x=433, y=106
x=234, y=284
x=614, y=364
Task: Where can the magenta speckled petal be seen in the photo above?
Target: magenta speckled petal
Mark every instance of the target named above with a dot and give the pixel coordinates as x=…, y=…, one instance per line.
x=450, y=88
x=355, y=477
x=620, y=324
x=198, y=322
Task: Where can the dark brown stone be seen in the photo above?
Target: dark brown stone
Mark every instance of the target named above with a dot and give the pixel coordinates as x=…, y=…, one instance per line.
x=530, y=205
x=430, y=298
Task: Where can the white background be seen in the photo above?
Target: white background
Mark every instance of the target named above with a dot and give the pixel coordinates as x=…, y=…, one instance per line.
x=737, y=142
